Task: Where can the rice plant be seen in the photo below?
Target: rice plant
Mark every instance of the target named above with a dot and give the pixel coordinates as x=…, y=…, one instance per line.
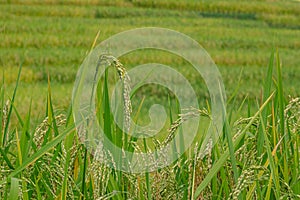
x=257, y=156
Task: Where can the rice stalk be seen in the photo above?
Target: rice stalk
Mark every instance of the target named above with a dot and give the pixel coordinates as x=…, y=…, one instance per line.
x=247, y=178
x=124, y=77
x=42, y=128
x=191, y=113
x=292, y=114
x=100, y=176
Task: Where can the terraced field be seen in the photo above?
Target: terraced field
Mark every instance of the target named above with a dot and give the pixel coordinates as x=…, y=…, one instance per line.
x=53, y=37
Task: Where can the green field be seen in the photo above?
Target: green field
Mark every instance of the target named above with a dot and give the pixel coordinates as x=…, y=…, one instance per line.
x=54, y=37
x=256, y=46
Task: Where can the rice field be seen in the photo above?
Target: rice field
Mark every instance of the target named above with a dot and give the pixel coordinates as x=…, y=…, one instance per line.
x=54, y=37
x=255, y=46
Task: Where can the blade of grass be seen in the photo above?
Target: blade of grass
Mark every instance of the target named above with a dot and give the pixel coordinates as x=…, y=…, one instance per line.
x=25, y=138
x=51, y=115
x=107, y=113
x=282, y=120
x=274, y=168
x=266, y=111
x=10, y=108
x=18, y=115
x=84, y=171
x=6, y=159
x=231, y=150
x=19, y=149
x=14, y=189
x=1, y=113
x=268, y=193
x=95, y=40
x=68, y=145
x=193, y=176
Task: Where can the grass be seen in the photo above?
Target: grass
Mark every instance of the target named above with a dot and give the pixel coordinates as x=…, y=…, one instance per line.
x=257, y=155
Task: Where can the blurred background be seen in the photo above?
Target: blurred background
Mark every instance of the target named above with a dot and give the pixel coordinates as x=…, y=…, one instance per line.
x=54, y=36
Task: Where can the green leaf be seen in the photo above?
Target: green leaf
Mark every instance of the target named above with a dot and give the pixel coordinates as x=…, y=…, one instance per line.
x=267, y=110
x=11, y=107
x=14, y=189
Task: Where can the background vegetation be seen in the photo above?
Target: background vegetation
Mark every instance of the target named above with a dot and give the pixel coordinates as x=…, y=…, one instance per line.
x=54, y=37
